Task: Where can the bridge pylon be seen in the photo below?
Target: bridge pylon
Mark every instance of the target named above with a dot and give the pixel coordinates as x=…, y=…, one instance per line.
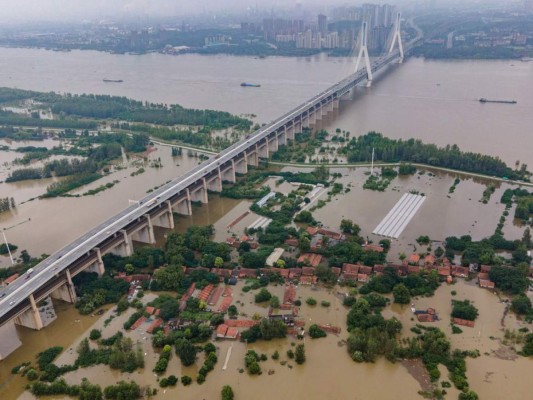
x=397, y=38
x=363, y=52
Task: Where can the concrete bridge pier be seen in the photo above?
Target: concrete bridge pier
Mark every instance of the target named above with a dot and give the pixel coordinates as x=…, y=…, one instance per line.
x=335, y=104
x=252, y=158
x=273, y=143
x=37, y=317
x=262, y=149
x=228, y=174
x=282, y=137
x=200, y=193
x=305, y=121
x=214, y=183
x=183, y=205
x=125, y=247
x=330, y=106
x=145, y=233
x=98, y=265
x=66, y=292
x=241, y=165
x=164, y=219
x=289, y=132
x=10, y=339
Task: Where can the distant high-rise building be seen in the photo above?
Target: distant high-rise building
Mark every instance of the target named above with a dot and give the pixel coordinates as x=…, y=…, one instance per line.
x=380, y=20
x=322, y=24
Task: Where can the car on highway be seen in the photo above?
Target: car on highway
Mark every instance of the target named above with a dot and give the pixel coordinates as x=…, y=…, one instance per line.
x=28, y=273
x=2, y=295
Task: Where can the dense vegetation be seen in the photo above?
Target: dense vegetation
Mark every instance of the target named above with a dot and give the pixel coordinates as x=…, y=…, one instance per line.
x=392, y=150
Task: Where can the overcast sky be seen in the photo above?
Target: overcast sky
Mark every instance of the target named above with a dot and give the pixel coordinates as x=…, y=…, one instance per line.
x=62, y=10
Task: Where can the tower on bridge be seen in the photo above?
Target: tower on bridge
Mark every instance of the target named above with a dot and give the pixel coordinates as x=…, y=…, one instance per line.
x=363, y=52
x=397, y=36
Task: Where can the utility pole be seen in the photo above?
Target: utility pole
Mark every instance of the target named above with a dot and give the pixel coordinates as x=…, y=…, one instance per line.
x=372, y=167
x=8, y=249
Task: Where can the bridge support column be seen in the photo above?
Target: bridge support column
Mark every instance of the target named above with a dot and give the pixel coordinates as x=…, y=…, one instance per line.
x=330, y=106
x=200, y=193
x=10, y=339
x=305, y=121
x=290, y=132
x=335, y=104
x=282, y=138
x=37, y=317
x=98, y=265
x=262, y=150
x=125, y=248
x=183, y=206
x=312, y=118
x=66, y=292
x=252, y=158
x=241, y=166
x=229, y=174
x=170, y=218
x=164, y=218
x=273, y=143
x=215, y=183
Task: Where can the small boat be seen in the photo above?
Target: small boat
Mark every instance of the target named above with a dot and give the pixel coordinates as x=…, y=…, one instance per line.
x=244, y=84
x=113, y=80
x=526, y=59
x=484, y=100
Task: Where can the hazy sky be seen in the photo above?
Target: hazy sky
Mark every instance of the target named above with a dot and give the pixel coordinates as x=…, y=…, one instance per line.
x=61, y=10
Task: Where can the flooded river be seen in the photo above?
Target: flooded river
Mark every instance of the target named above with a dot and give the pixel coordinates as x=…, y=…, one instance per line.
x=434, y=101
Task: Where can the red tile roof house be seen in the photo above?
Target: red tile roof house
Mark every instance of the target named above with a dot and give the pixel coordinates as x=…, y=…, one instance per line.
x=295, y=273
x=379, y=269
x=308, y=280
x=284, y=273
x=291, y=242
x=485, y=283
x=461, y=272
x=365, y=269
x=485, y=268
x=247, y=273
x=221, y=331
x=463, y=322
x=312, y=230
x=332, y=234
x=413, y=269
x=336, y=271
x=310, y=259
x=351, y=268
x=362, y=277
x=429, y=259
x=414, y=259
x=373, y=247
x=444, y=270
x=350, y=276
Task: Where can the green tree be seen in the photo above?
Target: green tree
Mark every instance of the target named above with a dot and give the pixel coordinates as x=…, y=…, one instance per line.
x=262, y=296
x=401, y=294
x=219, y=262
x=274, y=302
x=299, y=354
x=232, y=311
x=227, y=393
x=521, y=304
x=186, y=352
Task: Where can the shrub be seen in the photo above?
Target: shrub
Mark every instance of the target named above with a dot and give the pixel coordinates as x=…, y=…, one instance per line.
x=297, y=303
x=349, y=301
x=227, y=393
x=290, y=354
x=95, y=334
x=275, y=356
x=200, y=379
x=310, y=301
x=186, y=380
x=316, y=332
x=456, y=329
x=325, y=303
x=262, y=296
